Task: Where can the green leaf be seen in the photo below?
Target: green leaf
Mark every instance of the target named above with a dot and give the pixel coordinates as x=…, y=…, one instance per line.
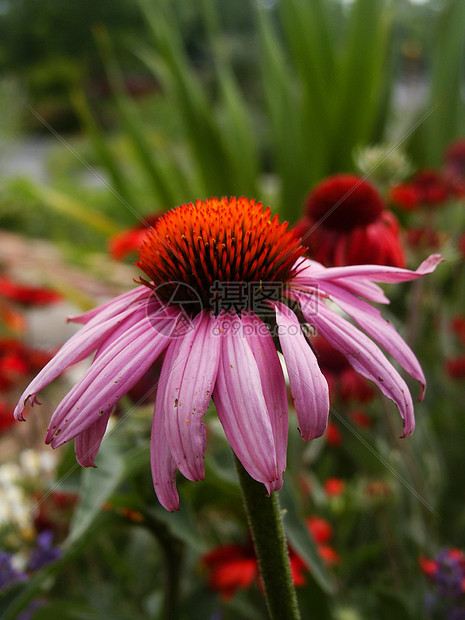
x=98, y=484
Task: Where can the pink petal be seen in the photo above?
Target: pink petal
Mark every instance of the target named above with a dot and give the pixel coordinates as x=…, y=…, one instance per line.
x=110, y=376
x=371, y=320
x=378, y=273
x=241, y=405
x=87, y=443
x=77, y=348
x=308, y=386
x=162, y=463
x=362, y=288
x=367, y=359
x=195, y=359
x=112, y=307
x=273, y=386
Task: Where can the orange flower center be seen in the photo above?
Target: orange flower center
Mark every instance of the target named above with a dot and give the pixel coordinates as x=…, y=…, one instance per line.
x=218, y=248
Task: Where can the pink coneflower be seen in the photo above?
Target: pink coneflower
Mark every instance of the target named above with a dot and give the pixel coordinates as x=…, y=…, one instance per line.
x=346, y=223
x=218, y=273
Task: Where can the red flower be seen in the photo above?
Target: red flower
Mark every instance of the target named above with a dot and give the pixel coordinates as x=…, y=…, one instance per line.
x=429, y=567
x=6, y=416
x=234, y=567
x=458, y=326
x=454, y=167
x=428, y=187
x=346, y=223
x=320, y=529
x=361, y=419
x=405, y=196
x=334, y=487
x=424, y=238
x=431, y=187
x=27, y=295
x=129, y=241
x=333, y=435
x=342, y=379
x=455, y=367
x=329, y=555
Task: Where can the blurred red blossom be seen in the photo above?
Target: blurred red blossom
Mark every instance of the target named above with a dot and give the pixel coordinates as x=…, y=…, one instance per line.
x=426, y=188
x=455, y=367
x=27, y=295
x=361, y=418
x=6, y=416
x=235, y=566
x=334, y=487
x=129, y=241
x=454, y=166
x=423, y=238
x=333, y=435
x=346, y=223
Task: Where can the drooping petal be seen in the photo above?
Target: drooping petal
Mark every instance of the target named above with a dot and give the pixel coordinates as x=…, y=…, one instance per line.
x=241, y=406
x=112, y=307
x=273, y=386
x=162, y=462
x=77, y=348
x=377, y=273
x=308, y=385
x=195, y=359
x=367, y=359
x=87, y=443
x=381, y=330
x=110, y=376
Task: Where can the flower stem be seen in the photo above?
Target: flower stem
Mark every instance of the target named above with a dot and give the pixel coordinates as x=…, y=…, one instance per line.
x=173, y=551
x=266, y=525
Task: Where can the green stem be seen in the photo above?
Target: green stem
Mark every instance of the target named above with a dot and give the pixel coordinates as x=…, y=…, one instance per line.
x=173, y=550
x=266, y=525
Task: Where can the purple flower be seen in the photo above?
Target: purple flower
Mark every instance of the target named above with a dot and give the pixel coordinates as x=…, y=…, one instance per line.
x=228, y=285
x=44, y=553
x=9, y=575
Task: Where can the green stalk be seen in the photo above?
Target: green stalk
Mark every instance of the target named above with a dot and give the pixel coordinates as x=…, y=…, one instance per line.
x=173, y=551
x=265, y=523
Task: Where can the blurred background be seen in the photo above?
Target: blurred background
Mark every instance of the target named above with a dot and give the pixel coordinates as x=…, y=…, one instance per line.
x=112, y=113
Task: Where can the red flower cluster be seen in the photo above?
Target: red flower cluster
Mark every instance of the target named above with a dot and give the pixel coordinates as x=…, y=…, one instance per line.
x=427, y=188
x=27, y=295
x=423, y=238
x=447, y=559
x=130, y=241
x=17, y=361
x=234, y=567
x=346, y=223
x=434, y=187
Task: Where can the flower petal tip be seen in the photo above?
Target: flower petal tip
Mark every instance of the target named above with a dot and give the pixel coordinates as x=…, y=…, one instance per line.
x=430, y=264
